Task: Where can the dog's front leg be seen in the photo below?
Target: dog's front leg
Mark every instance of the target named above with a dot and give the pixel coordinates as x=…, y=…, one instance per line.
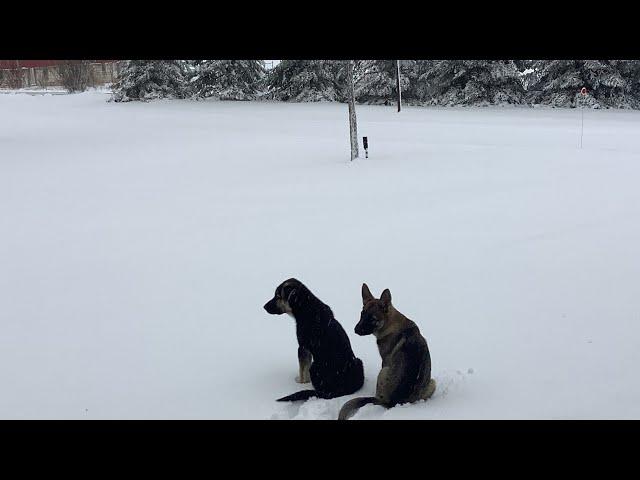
x=384, y=385
x=304, y=362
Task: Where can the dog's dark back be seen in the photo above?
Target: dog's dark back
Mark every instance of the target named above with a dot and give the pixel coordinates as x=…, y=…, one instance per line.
x=318, y=330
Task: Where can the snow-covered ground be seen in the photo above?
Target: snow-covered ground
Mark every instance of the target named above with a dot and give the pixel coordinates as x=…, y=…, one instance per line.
x=57, y=90
x=139, y=241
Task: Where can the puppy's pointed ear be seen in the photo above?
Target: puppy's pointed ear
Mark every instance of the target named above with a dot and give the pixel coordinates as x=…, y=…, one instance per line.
x=366, y=294
x=385, y=298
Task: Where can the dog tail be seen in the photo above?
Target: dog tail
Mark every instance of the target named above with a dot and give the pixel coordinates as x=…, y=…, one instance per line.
x=350, y=408
x=301, y=395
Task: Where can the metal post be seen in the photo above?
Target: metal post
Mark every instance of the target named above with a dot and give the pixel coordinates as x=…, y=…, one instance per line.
x=583, y=95
x=398, y=83
x=581, y=124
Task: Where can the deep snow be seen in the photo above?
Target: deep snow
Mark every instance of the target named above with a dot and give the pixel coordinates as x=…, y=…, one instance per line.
x=139, y=241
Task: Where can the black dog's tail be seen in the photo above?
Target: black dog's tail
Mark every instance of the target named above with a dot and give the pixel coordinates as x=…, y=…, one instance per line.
x=350, y=408
x=301, y=395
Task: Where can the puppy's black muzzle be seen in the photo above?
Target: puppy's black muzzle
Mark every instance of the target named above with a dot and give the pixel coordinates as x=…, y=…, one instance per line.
x=364, y=328
x=271, y=307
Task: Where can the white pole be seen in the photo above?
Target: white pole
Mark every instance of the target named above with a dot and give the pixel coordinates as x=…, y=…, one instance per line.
x=581, y=121
x=581, y=124
x=583, y=95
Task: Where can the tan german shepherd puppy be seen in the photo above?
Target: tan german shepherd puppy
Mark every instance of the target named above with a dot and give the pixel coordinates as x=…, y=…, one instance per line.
x=406, y=363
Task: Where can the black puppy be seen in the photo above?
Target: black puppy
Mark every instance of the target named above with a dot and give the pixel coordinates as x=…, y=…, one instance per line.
x=324, y=352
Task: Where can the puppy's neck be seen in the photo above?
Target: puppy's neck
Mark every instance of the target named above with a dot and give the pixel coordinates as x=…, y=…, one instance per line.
x=395, y=322
x=308, y=309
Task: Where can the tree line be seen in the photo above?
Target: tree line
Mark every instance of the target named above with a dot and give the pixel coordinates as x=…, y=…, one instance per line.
x=610, y=83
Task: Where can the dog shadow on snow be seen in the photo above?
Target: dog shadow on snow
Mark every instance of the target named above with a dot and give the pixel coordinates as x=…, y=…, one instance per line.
x=448, y=382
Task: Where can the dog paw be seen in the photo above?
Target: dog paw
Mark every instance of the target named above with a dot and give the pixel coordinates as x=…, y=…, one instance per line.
x=302, y=380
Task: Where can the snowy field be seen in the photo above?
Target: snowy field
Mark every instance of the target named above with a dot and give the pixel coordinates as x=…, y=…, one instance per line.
x=138, y=243
x=49, y=90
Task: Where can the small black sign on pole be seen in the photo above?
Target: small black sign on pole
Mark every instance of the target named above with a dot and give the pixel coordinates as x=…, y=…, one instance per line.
x=365, y=142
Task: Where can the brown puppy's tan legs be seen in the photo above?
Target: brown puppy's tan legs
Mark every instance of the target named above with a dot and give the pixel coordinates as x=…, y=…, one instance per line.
x=304, y=362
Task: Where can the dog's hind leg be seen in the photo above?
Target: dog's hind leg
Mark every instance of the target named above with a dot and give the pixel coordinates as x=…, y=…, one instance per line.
x=304, y=363
x=428, y=390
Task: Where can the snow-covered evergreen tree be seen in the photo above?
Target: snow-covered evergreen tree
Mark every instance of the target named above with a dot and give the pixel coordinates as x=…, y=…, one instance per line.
x=376, y=81
x=558, y=83
x=416, y=71
x=227, y=79
x=630, y=71
x=473, y=82
x=150, y=79
x=526, y=71
x=308, y=80
x=523, y=65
